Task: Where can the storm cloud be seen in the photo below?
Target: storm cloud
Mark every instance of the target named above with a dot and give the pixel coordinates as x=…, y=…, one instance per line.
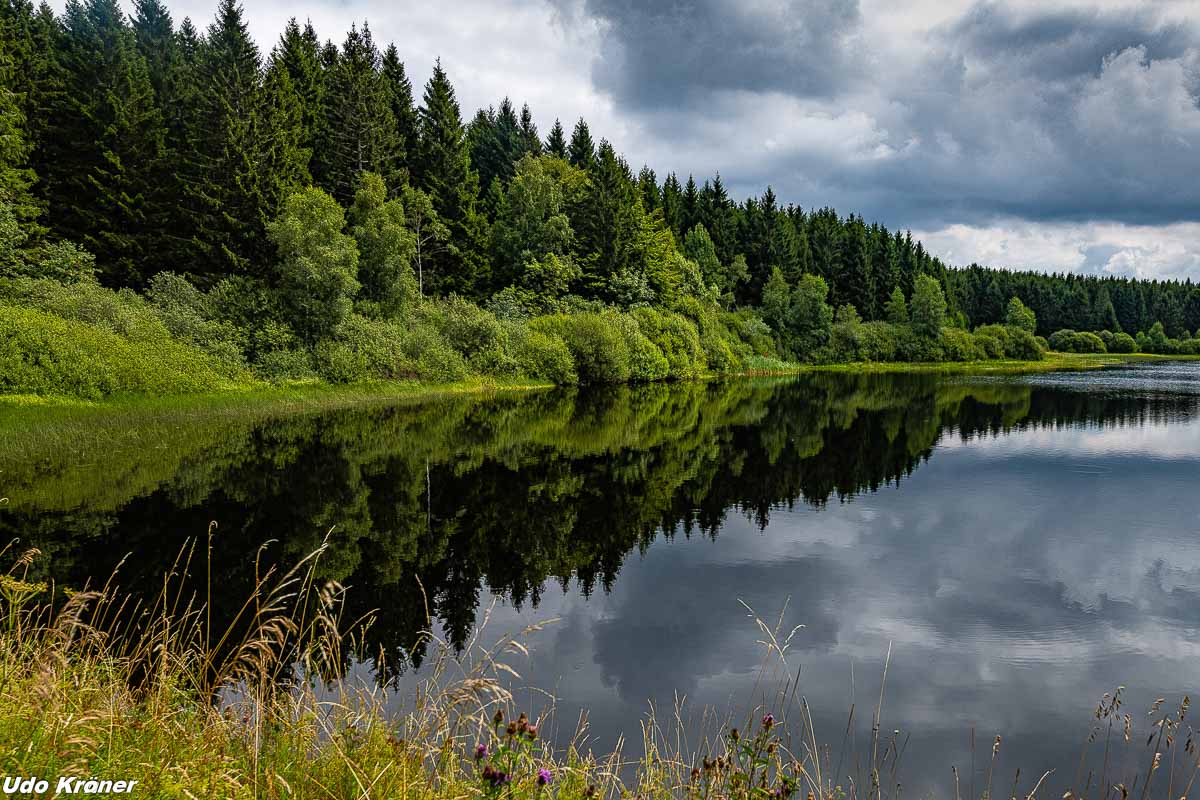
x=1058, y=136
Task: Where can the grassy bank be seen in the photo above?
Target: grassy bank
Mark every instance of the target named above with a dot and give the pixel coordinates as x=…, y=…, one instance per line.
x=92, y=688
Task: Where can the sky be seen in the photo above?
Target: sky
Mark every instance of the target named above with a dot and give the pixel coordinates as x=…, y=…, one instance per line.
x=1059, y=136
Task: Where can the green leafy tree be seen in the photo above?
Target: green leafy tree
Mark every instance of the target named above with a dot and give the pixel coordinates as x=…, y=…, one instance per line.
x=317, y=265
x=928, y=310
x=386, y=247
x=431, y=236
x=531, y=222
x=1018, y=315
x=896, y=310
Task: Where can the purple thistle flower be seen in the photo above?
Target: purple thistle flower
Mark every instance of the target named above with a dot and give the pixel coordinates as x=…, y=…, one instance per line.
x=544, y=777
x=768, y=721
x=481, y=752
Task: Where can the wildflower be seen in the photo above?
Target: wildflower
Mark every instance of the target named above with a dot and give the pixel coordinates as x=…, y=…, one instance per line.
x=495, y=777
x=512, y=730
x=544, y=777
x=531, y=732
x=768, y=722
x=695, y=774
x=734, y=735
x=481, y=752
x=498, y=717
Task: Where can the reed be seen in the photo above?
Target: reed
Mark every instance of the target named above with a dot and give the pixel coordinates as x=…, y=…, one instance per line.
x=94, y=683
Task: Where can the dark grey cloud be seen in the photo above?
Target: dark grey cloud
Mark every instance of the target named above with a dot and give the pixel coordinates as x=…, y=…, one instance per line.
x=662, y=54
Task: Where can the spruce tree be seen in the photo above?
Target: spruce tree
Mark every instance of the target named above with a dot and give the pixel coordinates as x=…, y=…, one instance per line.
x=232, y=186
x=360, y=132
x=648, y=187
x=556, y=142
x=443, y=170
x=530, y=143
x=581, y=152
x=298, y=53
x=403, y=109
x=108, y=150
x=608, y=221
x=857, y=284
x=16, y=177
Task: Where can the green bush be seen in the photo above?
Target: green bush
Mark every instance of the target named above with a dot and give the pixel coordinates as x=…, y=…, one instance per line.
x=596, y=343
x=340, y=362
x=646, y=360
x=992, y=341
x=676, y=337
x=1122, y=343
x=41, y=353
x=1069, y=341
x=463, y=325
x=1024, y=346
x=279, y=366
x=542, y=356
x=958, y=345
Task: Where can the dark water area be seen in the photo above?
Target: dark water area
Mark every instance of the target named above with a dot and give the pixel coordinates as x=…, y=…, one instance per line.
x=1021, y=544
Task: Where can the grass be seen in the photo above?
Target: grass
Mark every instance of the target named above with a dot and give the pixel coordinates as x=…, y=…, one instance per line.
x=93, y=685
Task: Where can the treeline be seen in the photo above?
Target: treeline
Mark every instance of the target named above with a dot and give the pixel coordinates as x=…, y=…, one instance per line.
x=304, y=213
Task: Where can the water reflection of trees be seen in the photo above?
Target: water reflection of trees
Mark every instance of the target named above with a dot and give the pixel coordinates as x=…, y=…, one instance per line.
x=505, y=493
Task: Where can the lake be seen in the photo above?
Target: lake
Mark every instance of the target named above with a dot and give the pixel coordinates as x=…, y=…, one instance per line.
x=1022, y=544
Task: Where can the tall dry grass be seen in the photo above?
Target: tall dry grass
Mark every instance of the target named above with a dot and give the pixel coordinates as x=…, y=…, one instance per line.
x=94, y=683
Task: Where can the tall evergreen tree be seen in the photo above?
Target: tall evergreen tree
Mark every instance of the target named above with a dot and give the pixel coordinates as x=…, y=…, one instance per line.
x=608, y=221
x=556, y=142
x=530, y=143
x=232, y=186
x=404, y=111
x=109, y=148
x=299, y=54
x=443, y=170
x=360, y=129
x=581, y=152
x=16, y=176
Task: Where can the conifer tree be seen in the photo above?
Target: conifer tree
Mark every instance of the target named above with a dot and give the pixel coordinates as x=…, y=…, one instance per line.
x=530, y=143
x=298, y=53
x=608, y=221
x=403, y=109
x=648, y=187
x=16, y=177
x=360, y=132
x=581, y=152
x=443, y=170
x=232, y=187
x=108, y=151
x=556, y=142
x=857, y=284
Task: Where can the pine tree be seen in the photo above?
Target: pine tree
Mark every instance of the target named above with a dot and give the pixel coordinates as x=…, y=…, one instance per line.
x=16, y=177
x=403, y=109
x=155, y=35
x=608, y=221
x=581, y=152
x=443, y=170
x=360, y=132
x=690, y=208
x=530, y=143
x=109, y=148
x=299, y=54
x=230, y=187
x=857, y=286
x=648, y=187
x=556, y=142
x=672, y=205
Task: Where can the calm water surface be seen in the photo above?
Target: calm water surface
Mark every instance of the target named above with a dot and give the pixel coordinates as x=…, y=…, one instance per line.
x=1022, y=544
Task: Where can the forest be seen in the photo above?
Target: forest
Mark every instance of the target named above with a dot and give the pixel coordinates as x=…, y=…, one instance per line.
x=180, y=211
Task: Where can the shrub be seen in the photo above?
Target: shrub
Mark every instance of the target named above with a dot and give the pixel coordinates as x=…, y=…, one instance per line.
x=993, y=341
x=677, y=339
x=596, y=343
x=463, y=325
x=1122, y=343
x=1024, y=345
x=1069, y=341
x=646, y=360
x=41, y=353
x=878, y=341
x=542, y=356
x=958, y=345
x=279, y=366
x=339, y=362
